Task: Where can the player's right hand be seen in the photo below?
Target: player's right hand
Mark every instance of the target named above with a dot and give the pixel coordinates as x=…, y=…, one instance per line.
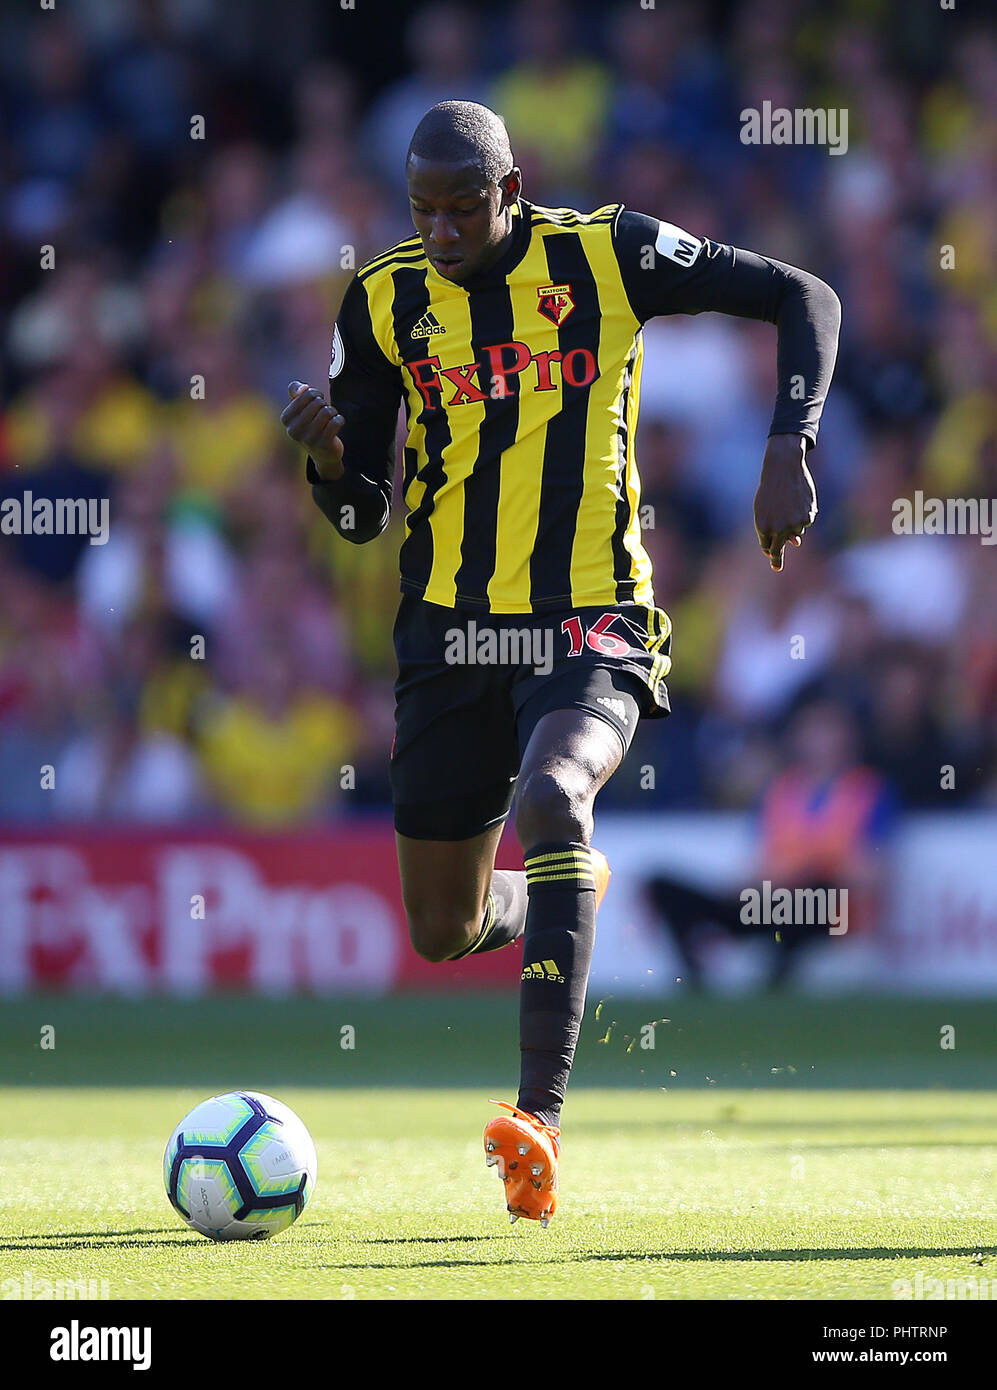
x=315, y=424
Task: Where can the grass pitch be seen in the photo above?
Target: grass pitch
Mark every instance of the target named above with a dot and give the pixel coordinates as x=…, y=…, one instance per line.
x=771, y=1189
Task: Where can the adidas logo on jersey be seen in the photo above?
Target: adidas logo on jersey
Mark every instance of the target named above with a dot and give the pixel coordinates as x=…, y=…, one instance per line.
x=617, y=706
x=543, y=970
x=427, y=326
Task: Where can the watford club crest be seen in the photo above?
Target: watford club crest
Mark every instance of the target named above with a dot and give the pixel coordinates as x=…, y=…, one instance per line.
x=556, y=303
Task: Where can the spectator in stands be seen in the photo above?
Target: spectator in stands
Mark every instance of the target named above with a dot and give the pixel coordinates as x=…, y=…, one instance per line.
x=824, y=823
x=277, y=753
x=442, y=40
x=554, y=100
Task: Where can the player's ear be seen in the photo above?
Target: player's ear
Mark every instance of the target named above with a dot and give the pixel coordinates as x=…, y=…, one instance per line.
x=511, y=186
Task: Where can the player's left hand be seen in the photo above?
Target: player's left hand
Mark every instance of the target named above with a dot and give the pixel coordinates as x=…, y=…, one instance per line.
x=786, y=500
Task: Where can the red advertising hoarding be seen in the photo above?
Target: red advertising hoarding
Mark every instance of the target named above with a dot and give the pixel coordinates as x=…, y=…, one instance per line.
x=141, y=912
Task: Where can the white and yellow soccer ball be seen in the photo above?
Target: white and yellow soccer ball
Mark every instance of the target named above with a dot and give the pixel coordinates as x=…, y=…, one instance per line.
x=240, y=1166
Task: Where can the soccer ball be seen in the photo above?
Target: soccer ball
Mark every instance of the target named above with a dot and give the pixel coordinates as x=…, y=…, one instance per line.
x=240, y=1167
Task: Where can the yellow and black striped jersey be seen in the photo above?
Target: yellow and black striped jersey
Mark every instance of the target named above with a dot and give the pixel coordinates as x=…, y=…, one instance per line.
x=521, y=388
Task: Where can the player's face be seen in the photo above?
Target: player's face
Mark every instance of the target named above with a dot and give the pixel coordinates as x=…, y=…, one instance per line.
x=463, y=220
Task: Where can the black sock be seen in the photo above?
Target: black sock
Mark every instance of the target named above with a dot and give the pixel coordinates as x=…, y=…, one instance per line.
x=505, y=915
x=557, y=953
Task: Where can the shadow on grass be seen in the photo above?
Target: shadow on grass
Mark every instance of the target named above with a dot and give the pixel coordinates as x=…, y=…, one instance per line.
x=426, y=1240
x=99, y=1240
x=164, y=1236
x=705, y=1256
x=802, y=1256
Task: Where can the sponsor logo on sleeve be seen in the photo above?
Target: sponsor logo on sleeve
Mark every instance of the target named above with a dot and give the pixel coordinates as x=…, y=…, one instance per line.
x=338, y=353
x=677, y=245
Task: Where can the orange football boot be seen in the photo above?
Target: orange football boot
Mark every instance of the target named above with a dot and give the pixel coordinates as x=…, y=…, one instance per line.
x=525, y=1151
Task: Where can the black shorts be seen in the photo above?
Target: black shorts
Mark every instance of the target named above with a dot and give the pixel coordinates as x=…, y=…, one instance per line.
x=472, y=687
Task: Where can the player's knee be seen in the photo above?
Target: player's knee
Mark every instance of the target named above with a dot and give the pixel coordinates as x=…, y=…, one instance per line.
x=438, y=934
x=553, y=804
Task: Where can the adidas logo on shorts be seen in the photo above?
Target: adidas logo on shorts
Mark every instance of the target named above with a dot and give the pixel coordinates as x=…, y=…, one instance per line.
x=617, y=706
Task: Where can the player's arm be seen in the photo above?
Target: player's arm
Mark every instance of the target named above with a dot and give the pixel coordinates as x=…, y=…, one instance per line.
x=668, y=271
x=351, y=438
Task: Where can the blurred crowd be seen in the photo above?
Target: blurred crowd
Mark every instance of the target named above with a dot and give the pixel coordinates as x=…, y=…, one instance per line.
x=225, y=655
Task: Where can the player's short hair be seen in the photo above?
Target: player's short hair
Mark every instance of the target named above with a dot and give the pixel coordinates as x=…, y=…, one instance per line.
x=464, y=132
